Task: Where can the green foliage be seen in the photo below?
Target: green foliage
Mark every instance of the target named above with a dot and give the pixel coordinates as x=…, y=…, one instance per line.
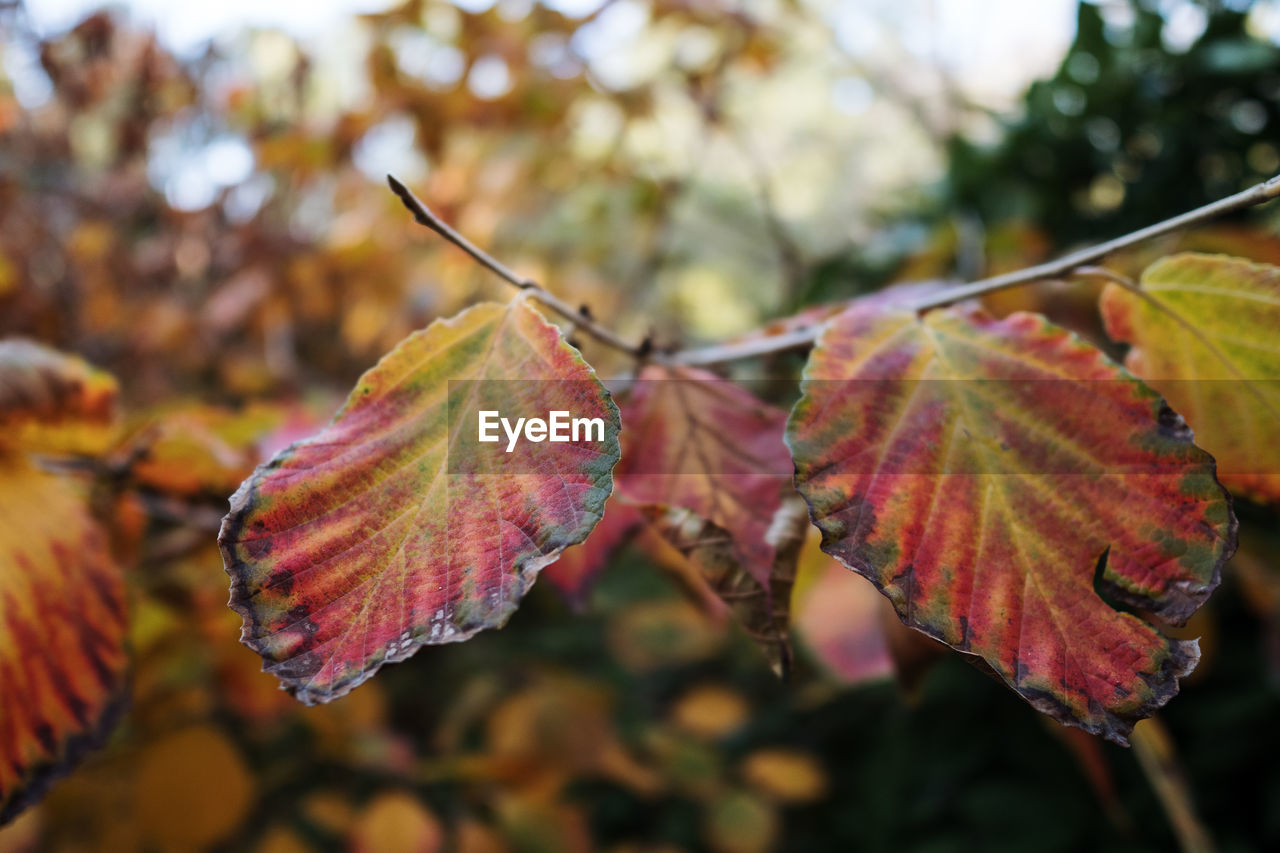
x=1127, y=126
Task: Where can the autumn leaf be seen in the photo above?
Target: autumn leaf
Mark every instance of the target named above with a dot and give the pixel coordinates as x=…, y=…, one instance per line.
x=181, y=809
x=196, y=449
x=396, y=822
x=51, y=402
x=392, y=528
x=836, y=615
x=710, y=712
x=785, y=775
x=760, y=607
x=705, y=461
x=62, y=597
x=701, y=443
x=1203, y=330
x=996, y=478
x=62, y=629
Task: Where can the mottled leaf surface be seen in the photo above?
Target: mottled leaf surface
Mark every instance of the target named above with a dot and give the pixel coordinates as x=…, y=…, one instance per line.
x=62, y=632
x=392, y=528
x=994, y=478
x=51, y=402
x=698, y=442
x=1205, y=331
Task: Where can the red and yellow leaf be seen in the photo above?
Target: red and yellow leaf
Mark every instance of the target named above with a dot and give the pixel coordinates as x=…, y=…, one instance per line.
x=836, y=615
x=982, y=472
x=51, y=402
x=62, y=630
x=1203, y=331
x=701, y=443
x=393, y=528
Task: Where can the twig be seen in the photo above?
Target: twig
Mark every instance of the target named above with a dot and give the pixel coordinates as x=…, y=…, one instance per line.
x=796, y=339
x=799, y=339
x=423, y=216
x=1159, y=762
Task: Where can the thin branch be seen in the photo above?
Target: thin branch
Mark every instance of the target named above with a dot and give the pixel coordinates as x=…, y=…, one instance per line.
x=1255, y=195
x=581, y=319
x=796, y=339
x=1158, y=759
x=803, y=338
x=1060, y=268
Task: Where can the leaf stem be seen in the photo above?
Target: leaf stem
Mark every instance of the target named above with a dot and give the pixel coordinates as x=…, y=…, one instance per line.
x=580, y=318
x=1059, y=268
x=1159, y=762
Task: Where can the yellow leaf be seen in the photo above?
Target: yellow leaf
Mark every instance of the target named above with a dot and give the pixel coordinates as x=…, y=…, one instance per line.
x=395, y=822
x=51, y=402
x=710, y=711
x=1203, y=330
x=62, y=627
x=785, y=775
x=192, y=788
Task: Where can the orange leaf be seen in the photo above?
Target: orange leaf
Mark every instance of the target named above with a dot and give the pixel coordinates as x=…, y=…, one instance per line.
x=62, y=630
x=51, y=402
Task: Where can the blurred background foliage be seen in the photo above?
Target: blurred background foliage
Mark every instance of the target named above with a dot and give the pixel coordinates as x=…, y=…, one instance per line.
x=209, y=224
